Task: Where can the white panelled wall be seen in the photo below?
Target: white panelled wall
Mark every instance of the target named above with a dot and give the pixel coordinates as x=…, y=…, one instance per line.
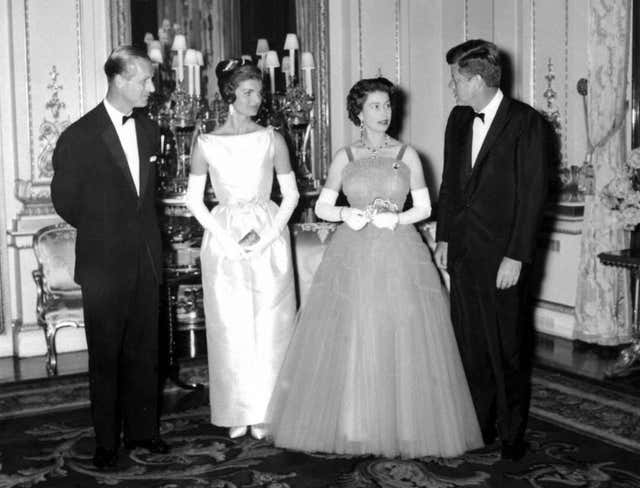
x=404, y=40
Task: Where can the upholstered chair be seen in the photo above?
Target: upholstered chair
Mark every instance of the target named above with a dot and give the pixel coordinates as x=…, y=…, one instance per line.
x=59, y=297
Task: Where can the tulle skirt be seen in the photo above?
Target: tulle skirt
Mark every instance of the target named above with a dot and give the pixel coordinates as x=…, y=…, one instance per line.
x=373, y=366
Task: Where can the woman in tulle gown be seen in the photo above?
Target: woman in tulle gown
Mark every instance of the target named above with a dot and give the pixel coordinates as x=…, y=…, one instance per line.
x=373, y=366
x=247, y=272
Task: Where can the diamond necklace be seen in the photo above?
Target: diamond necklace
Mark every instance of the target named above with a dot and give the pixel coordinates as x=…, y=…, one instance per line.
x=374, y=149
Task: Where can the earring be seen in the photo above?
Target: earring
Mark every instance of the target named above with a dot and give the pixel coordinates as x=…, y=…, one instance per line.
x=362, y=131
x=232, y=109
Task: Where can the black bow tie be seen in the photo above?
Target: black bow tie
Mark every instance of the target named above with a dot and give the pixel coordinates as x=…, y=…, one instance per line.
x=132, y=115
x=479, y=115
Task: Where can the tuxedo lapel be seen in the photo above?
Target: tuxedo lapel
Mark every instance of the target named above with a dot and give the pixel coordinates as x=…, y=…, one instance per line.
x=495, y=130
x=467, y=130
x=118, y=157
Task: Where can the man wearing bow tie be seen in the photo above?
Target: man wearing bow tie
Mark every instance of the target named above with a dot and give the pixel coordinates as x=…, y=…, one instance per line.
x=494, y=184
x=104, y=186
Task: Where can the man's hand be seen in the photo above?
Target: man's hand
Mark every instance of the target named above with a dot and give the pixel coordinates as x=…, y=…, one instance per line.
x=441, y=253
x=508, y=273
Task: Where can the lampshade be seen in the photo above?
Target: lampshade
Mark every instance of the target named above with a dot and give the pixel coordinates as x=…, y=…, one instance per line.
x=291, y=42
x=154, y=51
x=306, y=61
x=199, y=58
x=262, y=47
x=190, y=57
x=179, y=43
x=272, y=60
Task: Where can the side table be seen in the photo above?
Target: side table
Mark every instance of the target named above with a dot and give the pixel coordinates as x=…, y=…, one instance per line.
x=173, y=278
x=628, y=361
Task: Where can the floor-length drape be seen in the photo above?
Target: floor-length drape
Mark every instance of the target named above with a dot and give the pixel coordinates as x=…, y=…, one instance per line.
x=602, y=299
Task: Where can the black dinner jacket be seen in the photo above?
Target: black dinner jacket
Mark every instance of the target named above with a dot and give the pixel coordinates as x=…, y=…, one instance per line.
x=494, y=209
x=92, y=189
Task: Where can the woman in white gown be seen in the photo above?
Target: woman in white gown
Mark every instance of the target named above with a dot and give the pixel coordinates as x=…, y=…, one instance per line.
x=248, y=287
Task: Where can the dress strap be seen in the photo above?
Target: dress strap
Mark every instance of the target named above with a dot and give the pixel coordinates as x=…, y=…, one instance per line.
x=401, y=152
x=347, y=149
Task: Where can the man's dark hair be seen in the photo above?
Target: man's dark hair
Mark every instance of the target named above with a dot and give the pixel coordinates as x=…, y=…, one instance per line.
x=361, y=90
x=477, y=57
x=121, y=59
x=231, y=72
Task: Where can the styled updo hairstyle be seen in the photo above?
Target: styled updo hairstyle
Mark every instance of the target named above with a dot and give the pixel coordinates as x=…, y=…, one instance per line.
x=360, y=91
x=231, y=72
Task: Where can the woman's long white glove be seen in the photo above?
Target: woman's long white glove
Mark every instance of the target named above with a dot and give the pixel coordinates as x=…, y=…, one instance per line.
x=420, y=210
x=326, y=209
x=194, y=201
x=290, y=197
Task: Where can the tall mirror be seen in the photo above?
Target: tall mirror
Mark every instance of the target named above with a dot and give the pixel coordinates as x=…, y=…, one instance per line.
x=220, y=29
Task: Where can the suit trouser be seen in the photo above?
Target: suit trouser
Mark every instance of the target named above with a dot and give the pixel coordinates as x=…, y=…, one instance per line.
x=494, y=339
x=121, y=323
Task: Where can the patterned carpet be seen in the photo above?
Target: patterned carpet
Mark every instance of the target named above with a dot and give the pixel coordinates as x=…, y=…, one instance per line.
x=581, y=434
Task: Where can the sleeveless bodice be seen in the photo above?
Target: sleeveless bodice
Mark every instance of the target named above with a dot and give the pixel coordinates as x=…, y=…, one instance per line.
x=364, y=180
x=240, y=166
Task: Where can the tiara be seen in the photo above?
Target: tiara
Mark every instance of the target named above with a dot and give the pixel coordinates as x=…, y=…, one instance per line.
x=234, y=62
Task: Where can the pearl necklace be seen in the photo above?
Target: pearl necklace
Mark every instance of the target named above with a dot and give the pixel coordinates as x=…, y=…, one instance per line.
x=374, y=149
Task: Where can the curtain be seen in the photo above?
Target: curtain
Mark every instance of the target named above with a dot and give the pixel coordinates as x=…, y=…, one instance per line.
x=603, y=297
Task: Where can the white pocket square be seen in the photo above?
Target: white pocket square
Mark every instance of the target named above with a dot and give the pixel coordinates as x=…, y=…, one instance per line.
x=153, y=159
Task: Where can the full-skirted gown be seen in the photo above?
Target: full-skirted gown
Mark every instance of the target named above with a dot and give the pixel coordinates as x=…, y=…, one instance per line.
x=373, y=366
x=249, y=304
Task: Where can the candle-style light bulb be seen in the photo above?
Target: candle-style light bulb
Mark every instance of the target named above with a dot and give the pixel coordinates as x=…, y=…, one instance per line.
x=291, y=45
x=306, y=65
x=272, y=62
x=261, y=50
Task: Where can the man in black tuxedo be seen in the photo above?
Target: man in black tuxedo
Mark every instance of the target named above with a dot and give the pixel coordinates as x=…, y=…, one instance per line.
x=104, y=186
x=494, y=182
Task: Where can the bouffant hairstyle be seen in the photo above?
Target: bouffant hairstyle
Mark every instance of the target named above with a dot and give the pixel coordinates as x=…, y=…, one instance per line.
x=360, y=91
x=231, y=72
x=477, y=57
x=121, y=60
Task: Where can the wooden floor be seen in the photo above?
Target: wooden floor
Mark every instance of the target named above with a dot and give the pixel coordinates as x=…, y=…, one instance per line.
x=575, y=357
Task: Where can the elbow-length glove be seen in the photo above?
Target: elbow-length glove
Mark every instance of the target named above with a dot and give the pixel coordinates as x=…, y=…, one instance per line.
x=327, y=210
x=193, y=199
x=290, y=197
x=420, y=210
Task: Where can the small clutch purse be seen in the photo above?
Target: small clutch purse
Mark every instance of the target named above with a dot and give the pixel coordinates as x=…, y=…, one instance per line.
x=249, y=238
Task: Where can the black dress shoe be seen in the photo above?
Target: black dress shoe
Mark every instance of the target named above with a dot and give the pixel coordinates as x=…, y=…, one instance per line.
x=105, y=458
x=513, y=451
x=156, y=446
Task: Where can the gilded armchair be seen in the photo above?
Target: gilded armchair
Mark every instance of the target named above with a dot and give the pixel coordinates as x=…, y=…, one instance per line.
x=59, y=299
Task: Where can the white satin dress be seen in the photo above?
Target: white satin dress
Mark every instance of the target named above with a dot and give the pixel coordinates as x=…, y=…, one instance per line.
x=249, y=304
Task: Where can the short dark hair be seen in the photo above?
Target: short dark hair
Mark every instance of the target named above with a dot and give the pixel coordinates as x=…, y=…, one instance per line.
x=231, y=72
x=477, y=57
x=361, y=90
x=121, y=60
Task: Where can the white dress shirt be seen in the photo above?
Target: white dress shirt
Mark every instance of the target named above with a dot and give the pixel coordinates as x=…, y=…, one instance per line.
x=128, y=139
x=481, y=128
